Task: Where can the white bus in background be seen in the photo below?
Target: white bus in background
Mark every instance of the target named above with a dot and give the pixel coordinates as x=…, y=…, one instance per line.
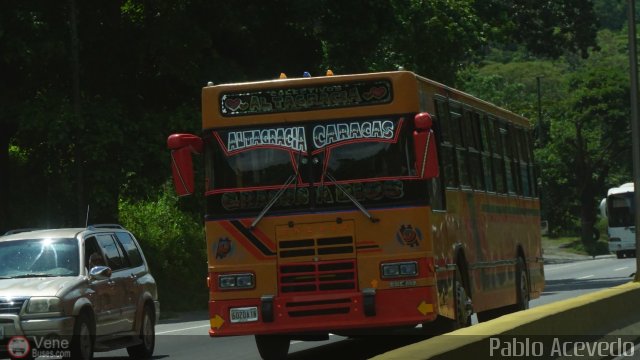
x=619, y=209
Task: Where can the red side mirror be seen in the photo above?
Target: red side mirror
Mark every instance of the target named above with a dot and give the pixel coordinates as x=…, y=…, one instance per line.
x=182, y=146
x=177, y=141
x=424, y=145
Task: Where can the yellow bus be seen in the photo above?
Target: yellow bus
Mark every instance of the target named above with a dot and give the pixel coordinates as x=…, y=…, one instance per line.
x=354, y=202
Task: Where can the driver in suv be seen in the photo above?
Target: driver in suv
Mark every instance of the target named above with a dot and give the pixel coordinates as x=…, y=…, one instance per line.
x=80, y=290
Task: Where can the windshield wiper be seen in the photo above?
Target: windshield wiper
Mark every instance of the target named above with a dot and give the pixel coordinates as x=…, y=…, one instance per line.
x=279, y=194
x=32, y=275
x=333, y=180
x=273, y=200
x=353, y=200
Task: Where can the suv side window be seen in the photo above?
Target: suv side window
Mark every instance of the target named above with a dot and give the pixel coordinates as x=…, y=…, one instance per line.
x=91, y=248
x=112, y=252
x=132, y=251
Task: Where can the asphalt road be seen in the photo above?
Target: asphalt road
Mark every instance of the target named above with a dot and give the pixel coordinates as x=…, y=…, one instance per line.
x=189, y=340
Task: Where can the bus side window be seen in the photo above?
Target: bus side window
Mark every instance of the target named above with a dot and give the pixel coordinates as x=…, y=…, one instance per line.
x=523, y=162
x=473, y=141
x=436, y=185
x=514, y=157
x=461, y=153
x=498, y=153
x=485, y=144
x=532, y=169
x=446, y=152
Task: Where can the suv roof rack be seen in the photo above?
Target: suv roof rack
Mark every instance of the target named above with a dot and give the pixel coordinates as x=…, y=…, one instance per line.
x=17, y=231
x=105, y=226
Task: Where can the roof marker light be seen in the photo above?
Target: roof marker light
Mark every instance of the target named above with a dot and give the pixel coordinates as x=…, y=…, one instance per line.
x=329, y=72
x=283, y=76
x=306, y=74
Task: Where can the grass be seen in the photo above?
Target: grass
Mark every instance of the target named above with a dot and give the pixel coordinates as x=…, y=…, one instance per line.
x=574, y=245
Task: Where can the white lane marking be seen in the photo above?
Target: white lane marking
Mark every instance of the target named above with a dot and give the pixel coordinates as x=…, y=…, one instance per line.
x=622, y=268
x=183, y=329
x=585, y=277
x=560, y=267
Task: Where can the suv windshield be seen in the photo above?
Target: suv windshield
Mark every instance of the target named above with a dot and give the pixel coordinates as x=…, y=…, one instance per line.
x=39, y=257
x=371, y=159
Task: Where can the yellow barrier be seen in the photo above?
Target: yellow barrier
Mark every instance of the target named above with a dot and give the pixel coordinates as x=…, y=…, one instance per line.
x=533, y=333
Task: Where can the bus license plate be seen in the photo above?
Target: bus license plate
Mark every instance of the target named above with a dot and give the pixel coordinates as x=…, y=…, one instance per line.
x=238, y=315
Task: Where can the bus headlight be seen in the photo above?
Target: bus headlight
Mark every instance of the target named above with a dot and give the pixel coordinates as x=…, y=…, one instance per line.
x=399, y=269
x=236, y=281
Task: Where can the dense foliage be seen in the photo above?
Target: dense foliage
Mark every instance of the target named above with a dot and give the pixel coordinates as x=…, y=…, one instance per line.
x=92, y=89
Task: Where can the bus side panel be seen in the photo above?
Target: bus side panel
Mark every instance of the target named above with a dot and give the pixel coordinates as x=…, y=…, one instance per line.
x=488, y=229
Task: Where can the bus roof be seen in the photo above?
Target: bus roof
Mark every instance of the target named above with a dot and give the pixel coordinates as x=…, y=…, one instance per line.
x=624, y=188
x=327, y=97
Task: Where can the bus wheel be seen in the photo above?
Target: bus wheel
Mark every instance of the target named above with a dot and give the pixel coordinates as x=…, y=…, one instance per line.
x=522, y=286
x=463, y=309
x=462, y=303
x=619, y=254
x=272, y=347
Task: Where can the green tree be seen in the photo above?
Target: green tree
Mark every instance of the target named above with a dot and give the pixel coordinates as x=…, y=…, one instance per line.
x=174, y=247
x=546, y=28
x=585, y=118
x=595, y=136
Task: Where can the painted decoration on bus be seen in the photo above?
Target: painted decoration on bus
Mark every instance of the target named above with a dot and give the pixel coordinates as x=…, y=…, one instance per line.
x=223, y=248
x=288, y=138
x=293, y=138
x=306, y=98
x=408, y=235
x=368, y=191
x=324, y=135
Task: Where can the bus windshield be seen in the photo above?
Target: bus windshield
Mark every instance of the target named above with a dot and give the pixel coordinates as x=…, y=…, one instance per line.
x=621, y=209
x=371, y=159
x=382, y=153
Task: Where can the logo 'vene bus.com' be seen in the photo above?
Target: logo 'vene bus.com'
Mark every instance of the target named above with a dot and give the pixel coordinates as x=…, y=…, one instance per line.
x=19, y=347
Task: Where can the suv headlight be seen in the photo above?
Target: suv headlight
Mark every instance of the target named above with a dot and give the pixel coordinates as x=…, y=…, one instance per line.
x=40, y=305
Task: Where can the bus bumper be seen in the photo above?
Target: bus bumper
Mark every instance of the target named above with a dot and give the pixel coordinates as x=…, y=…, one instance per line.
x=369, y=308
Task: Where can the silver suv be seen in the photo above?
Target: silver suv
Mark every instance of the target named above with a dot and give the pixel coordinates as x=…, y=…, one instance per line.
x=70, y=292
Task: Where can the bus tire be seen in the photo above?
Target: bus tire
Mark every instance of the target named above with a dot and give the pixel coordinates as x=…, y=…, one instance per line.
x=442, y=324
x=620, y=254
x=273, y=347
x=522, y=286
x=462, y=302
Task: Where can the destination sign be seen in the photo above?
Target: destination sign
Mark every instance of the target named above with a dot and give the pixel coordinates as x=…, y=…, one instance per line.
x=306, y=98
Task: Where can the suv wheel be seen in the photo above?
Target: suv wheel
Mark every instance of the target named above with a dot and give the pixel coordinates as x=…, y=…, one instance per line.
x=147, y=336
x=83, y=338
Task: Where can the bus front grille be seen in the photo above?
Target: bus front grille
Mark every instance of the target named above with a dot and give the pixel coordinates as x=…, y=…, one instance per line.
x=325, y=276
x=316, y=247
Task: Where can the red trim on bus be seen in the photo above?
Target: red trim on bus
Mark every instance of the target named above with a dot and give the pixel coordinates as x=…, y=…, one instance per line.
x=260, y=235
x=296, y=314
x=237, y=235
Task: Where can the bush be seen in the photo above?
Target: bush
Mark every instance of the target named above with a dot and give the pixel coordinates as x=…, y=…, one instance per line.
x=173, y=243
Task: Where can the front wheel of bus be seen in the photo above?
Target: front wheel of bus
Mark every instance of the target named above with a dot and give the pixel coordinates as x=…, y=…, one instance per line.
x=273, y=347
x=522, y=286
x=462, y=302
